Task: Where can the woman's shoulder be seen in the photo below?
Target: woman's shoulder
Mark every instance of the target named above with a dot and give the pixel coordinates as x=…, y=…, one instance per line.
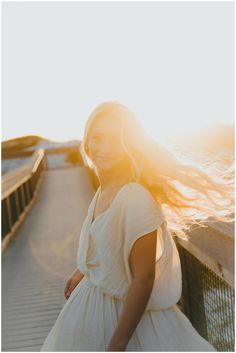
x=134, y=185
x=140, y=188
x=139, y=193
x=141, y=210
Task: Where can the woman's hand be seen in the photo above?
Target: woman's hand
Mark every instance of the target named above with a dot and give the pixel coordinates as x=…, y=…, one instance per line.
x=72, y=282
x=116, y=346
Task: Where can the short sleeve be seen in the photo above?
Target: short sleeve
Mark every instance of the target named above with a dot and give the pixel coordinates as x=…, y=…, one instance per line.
x=142, y=214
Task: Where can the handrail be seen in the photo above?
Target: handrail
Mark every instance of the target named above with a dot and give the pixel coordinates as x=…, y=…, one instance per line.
x=21, y=174
x=39, y=157
x=207, y=299
x=18, y=191
x=218, y=267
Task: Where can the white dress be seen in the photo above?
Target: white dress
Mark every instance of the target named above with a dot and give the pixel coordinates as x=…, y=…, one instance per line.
x=90, y=315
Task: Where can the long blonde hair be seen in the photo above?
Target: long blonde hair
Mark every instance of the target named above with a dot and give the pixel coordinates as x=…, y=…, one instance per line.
x=189, y=194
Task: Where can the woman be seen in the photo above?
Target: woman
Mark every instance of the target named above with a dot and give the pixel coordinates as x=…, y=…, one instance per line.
x=123, y=295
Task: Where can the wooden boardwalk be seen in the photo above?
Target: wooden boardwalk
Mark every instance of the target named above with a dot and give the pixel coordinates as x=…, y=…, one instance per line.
x=37, y=263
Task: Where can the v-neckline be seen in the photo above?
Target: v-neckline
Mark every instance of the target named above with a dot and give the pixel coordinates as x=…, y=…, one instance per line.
x=92, y=221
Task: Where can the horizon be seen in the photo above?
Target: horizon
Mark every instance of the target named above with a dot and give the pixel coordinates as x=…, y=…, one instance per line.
x=185, y=135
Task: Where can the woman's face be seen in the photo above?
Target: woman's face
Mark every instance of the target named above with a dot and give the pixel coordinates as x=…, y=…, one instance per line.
x=104, y=146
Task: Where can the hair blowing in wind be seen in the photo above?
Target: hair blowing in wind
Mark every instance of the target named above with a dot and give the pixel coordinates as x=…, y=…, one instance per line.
x=189, y=194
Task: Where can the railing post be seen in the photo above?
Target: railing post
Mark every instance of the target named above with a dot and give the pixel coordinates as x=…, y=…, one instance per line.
x=22, y=196
x=17, y=203
x=30, y=188
x=184, y=301
x=9, y=212
x=6, y=227
x=27, y=190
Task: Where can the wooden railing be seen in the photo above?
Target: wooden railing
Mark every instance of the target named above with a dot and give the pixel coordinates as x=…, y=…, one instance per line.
x=207, y=263
x=18, y=190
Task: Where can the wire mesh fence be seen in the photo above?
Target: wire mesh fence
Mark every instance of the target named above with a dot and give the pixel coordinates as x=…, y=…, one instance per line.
x=208, y=301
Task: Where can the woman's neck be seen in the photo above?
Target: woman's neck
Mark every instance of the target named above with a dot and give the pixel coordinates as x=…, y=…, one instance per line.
x=113, y=180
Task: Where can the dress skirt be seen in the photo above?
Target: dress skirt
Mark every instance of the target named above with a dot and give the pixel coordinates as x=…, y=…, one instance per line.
x=89, y=318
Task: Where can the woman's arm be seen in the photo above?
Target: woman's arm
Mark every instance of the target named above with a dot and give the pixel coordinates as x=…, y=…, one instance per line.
x=136, y=301
x=142, y=264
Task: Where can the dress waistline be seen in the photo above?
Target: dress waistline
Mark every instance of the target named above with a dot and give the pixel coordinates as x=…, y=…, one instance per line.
x=90, y=283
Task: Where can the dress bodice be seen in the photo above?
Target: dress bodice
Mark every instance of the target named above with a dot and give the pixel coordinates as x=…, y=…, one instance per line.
x=105, y=245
